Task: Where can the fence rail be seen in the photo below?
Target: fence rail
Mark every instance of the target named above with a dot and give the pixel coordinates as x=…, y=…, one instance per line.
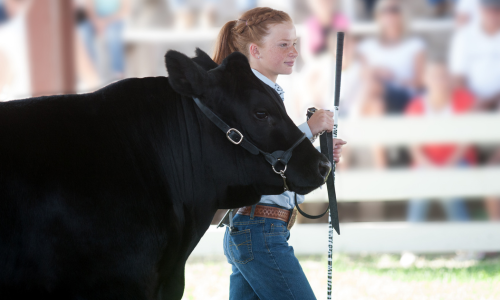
x=394, y=237
x=390, y=185
x=404, y=130
x=165, y=35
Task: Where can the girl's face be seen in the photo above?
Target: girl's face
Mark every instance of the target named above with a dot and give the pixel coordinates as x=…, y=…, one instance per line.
x=278, y=52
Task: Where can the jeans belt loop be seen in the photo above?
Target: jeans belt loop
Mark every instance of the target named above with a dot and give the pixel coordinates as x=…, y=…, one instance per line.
x=253, y=211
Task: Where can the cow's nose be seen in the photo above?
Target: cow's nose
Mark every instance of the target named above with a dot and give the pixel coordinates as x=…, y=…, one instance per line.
x=324, y=168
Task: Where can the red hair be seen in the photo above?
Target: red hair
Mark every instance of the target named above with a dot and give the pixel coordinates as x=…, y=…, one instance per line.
x=251, y=27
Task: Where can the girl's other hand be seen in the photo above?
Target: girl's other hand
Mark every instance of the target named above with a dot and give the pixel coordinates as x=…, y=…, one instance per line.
x=337, y=149
x=321, y=120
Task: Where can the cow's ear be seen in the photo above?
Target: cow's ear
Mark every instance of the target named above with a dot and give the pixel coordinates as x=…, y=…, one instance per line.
x=204, y=61
x=185, y=76
x=237, y=62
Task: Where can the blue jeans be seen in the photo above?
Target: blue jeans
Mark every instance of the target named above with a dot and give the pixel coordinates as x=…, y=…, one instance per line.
x=264, y=265
x=114, y=44
x=454, y=208
x=435, y=2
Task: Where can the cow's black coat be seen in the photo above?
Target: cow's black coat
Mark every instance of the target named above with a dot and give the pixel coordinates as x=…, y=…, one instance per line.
x=105, y=195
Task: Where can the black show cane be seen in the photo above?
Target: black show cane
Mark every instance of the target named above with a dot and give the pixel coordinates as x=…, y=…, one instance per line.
x=326, y=145
x=327, y=140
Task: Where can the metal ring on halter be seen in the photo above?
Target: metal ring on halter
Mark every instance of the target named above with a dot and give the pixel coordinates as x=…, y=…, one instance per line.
x=282, y=172
x=231, y=140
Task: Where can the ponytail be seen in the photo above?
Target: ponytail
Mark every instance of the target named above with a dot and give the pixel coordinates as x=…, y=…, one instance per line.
x=225, y=42
x=252, y=27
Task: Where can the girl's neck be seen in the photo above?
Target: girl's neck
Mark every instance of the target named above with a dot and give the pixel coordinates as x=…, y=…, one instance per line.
x=272, y=77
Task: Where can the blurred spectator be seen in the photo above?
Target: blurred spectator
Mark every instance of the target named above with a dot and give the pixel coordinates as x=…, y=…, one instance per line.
x=475, y=53
x=361, y=96
x=321, y=26
x=10, y=8
x=467, y=11
x=440, y=100
x=14, y=69
x=369, y=103
x=87, y=75
x=3, y=12
x=104, y=24
x=441, y=7
x=493, y=202
x=396, y=58
x=184, y=11
x=318, y=75
x=369, y=6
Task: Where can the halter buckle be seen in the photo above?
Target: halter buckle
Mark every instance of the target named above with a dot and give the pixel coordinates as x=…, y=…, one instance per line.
x=230, y=139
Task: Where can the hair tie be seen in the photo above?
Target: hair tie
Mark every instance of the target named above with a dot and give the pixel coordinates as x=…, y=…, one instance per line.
x=246, y=21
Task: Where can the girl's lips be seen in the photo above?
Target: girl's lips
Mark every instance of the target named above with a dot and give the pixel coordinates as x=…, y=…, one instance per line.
x=290, y=63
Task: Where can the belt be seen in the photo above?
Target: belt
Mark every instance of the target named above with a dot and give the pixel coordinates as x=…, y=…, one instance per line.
x=270, y=212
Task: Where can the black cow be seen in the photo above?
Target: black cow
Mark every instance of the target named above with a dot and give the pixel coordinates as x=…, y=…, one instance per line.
x=104, y=195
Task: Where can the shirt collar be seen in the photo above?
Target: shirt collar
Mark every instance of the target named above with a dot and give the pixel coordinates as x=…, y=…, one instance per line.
x=269, y=82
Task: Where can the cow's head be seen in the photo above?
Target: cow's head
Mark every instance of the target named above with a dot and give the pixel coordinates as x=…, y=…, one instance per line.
x=240, y=99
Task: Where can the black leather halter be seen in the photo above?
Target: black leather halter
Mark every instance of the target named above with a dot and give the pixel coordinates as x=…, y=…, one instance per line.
x=237, y=138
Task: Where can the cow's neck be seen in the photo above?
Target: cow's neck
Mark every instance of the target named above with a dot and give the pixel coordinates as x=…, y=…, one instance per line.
x=209, y=172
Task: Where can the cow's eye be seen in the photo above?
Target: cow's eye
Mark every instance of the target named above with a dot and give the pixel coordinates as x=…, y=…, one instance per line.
x=261, y=115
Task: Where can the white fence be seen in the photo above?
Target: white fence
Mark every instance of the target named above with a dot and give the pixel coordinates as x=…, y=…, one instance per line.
x=166, y=35
x=400, y=184
x=395, y=237
x=386, y=185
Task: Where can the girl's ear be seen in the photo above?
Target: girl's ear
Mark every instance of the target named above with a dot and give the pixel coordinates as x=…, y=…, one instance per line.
x=254, y=51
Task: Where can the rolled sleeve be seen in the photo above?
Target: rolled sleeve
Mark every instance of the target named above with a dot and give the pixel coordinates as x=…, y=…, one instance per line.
x=304, y=127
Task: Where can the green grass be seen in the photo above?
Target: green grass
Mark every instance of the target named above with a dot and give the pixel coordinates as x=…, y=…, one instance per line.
x=427, y=268
x=367, y=277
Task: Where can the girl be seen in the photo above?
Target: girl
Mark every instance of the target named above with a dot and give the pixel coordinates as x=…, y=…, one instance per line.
x=263, y=264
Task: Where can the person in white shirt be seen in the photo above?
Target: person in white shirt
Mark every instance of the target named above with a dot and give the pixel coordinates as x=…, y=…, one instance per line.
x=475, y=56
x=467, y=12
x=475, y=63
x=396, y=58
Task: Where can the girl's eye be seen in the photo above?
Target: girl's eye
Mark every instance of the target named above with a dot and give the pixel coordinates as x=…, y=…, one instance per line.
x=261, y=115
x=283, y=45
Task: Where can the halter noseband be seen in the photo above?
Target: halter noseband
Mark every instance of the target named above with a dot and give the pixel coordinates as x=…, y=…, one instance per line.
x=237, y=138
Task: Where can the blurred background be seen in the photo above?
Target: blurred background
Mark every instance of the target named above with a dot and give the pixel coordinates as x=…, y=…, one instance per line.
x=419, y=182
